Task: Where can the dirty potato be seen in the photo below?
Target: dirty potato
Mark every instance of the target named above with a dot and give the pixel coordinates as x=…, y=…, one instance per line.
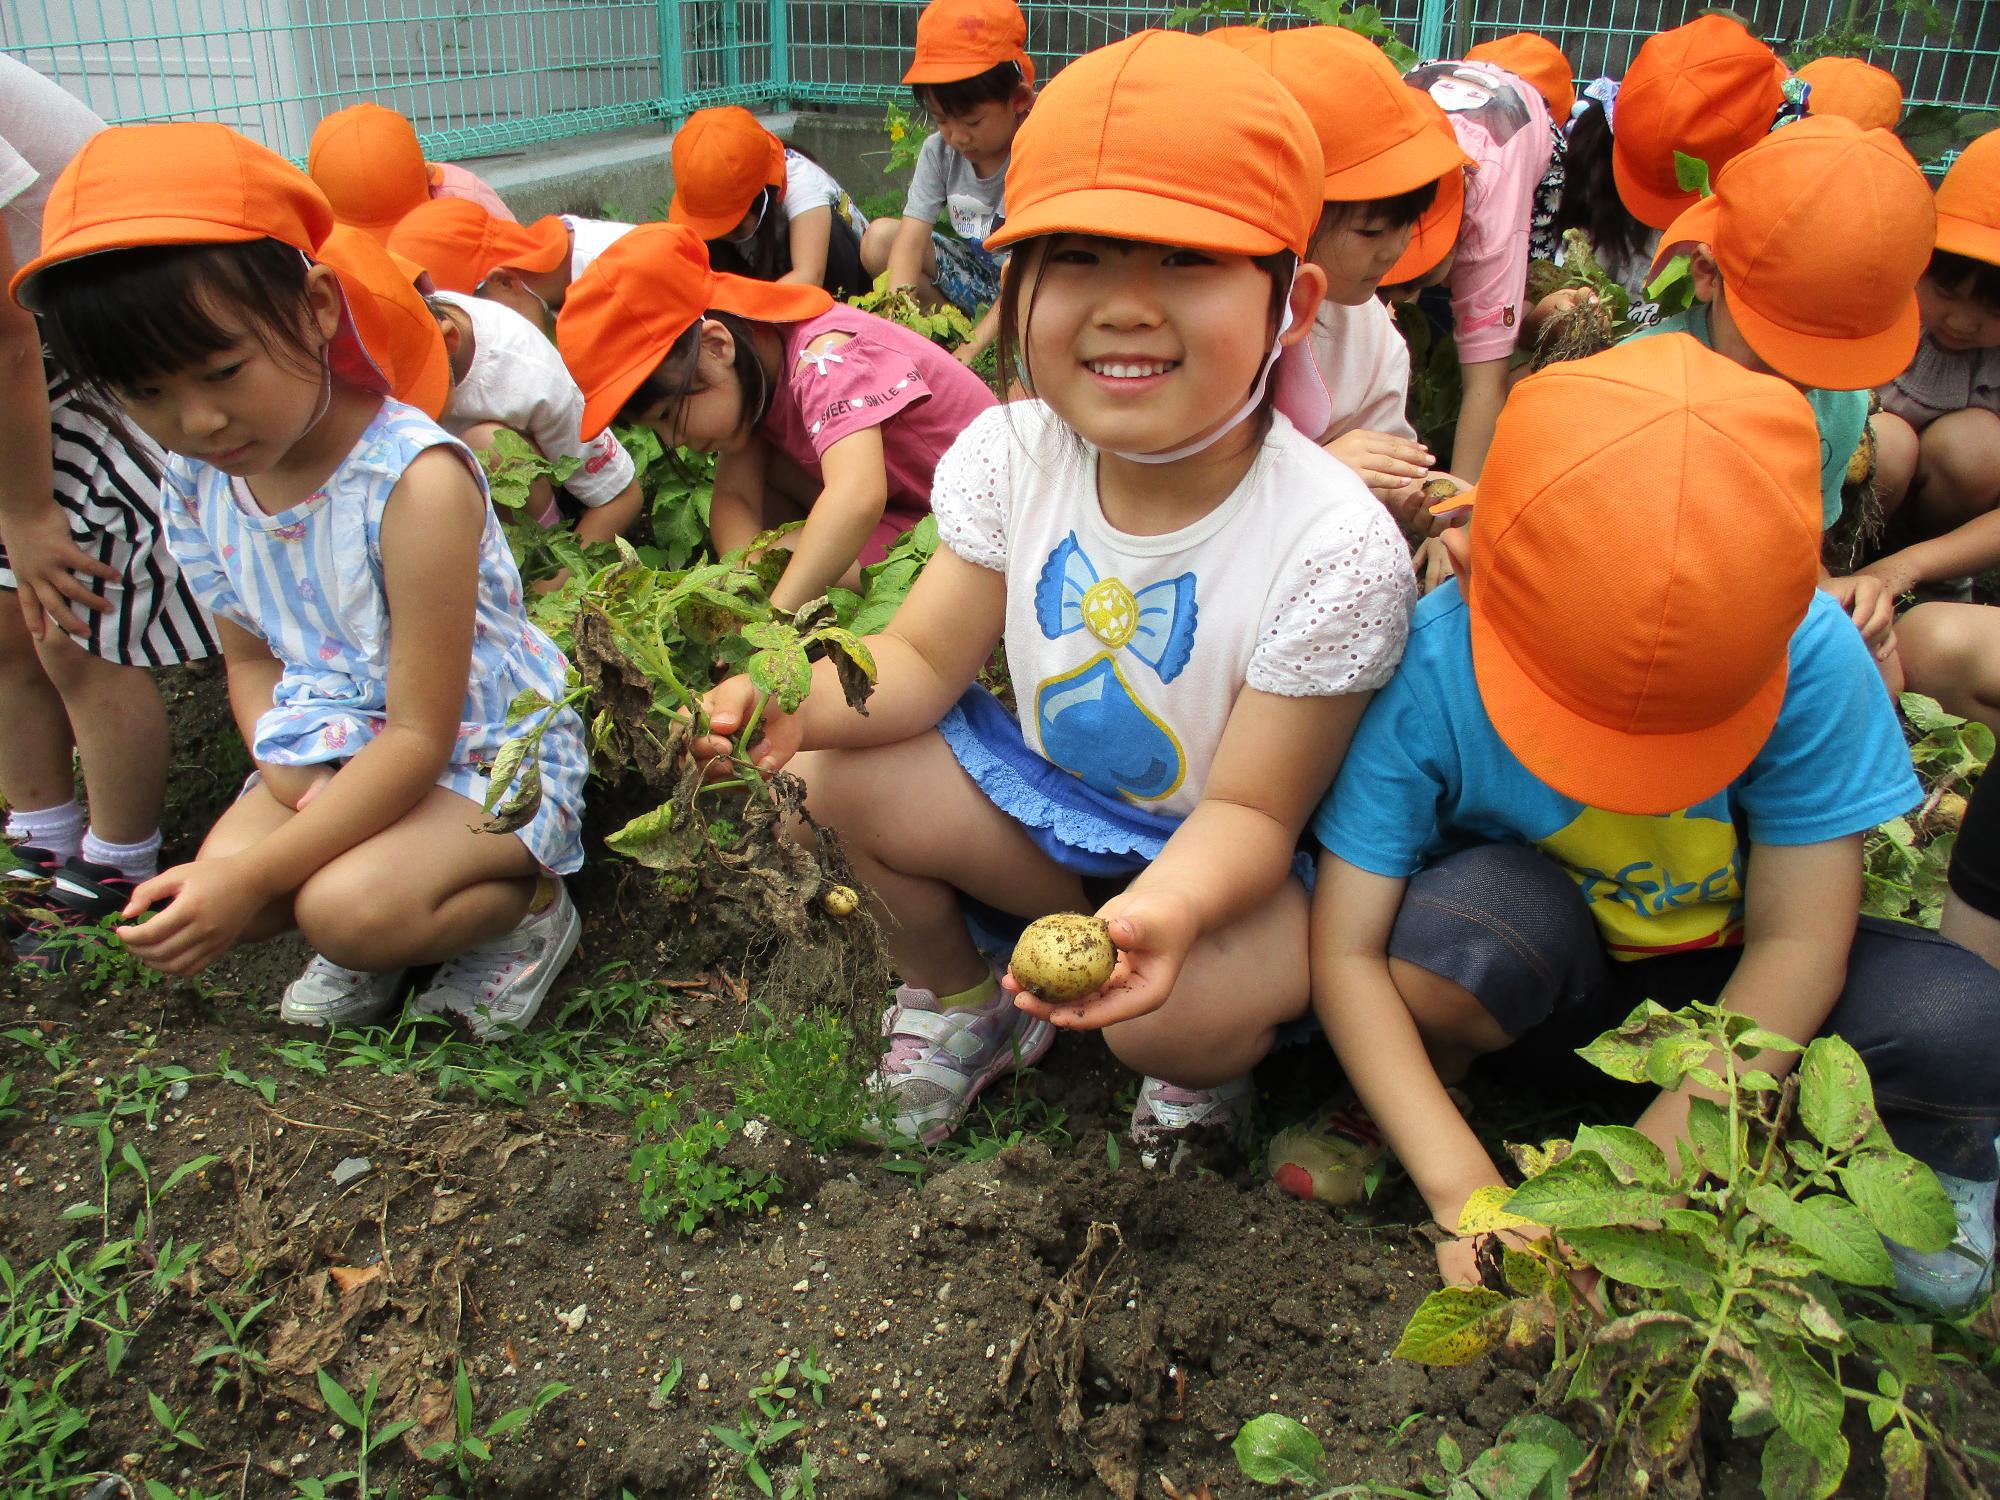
x=1064, y=957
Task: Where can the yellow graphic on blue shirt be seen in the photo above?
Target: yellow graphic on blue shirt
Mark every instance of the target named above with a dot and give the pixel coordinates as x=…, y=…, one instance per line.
x=1665, y=884
x=1091, y=721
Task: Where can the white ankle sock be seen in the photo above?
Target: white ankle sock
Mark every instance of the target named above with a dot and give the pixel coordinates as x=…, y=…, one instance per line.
x=56, y=829
x=140, y=861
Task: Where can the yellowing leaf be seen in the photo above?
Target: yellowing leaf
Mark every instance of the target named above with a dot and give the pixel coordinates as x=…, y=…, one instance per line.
x=1454, y=1326
x=1486, y=1211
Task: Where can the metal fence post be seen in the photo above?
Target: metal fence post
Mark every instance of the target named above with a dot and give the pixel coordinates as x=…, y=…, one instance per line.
x=732, y=43
x=1430, y=28
x=781, y=53
x=673, y=82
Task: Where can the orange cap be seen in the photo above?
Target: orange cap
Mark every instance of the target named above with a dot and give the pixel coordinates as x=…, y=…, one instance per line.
x=181, y=184
x=366, y=160
x=959, y=39
x=1820, y=230
x=1110, y=146
x=653, y=285
x=396, y=327
x=1968, y=202
x=1646, y=698
x=1846, y=86
x=1537, y=60
x=1707, y=89
x=461, y=244
x=1437, y=227
x=1375, y=139
x=722, y=160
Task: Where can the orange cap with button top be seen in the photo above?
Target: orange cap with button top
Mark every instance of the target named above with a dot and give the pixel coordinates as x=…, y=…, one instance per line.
x=1968, y=202
x=960, y=39
x=1709, y=90
x=1646, y=698
x=1534, y=58
x=1375, y=139
x=722, y=160
x=1114, y=144
x=626, y=312
x=1820, y=231
x=368, y=162
x=461, y=244
x=1846, y=86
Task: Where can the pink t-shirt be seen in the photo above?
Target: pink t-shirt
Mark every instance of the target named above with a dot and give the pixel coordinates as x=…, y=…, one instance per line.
x=1502, y=123
x=453, y=181
x=884, y=376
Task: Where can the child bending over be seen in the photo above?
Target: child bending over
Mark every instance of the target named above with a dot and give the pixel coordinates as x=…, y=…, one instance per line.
x=368, y=609
x=820, y=412
x=1196, y=601
x=527, y=267
x=1653, y=791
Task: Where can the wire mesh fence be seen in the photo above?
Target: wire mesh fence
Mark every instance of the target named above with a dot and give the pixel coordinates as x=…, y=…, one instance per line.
x=507, y=73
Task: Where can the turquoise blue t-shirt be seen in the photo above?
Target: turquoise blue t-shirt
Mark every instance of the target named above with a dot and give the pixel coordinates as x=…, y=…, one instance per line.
x=1842, y=415
x=1428, y=774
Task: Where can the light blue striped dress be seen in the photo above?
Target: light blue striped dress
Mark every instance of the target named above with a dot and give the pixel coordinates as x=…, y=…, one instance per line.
x=309, y=581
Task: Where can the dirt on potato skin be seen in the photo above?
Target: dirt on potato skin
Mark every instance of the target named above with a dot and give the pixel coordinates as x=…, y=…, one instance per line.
x=1048, y=1322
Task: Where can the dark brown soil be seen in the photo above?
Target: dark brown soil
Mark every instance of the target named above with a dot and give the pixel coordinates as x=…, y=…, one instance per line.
x=1054, y=1320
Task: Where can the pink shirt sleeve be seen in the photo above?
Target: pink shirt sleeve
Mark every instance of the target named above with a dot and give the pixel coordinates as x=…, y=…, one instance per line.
x=453, y=181
x=856, y=385
x=1489, y=277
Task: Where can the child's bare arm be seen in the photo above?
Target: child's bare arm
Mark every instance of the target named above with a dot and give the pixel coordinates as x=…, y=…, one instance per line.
x=600, y=523
x=253, y=674
x=1798, y=924
x=906, y=255
x=1376, y=1038
x=854, y=492
x=1971, y=549
x=1485, y=391
x=1233, y=852
x=736, y=511
x=809, y=235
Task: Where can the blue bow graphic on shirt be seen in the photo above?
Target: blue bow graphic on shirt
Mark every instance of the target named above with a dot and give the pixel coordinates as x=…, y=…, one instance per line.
x=1090, y=720
x=1156, y=624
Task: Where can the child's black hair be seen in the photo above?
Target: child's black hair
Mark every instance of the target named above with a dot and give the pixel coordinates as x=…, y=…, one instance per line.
x=114, y=319
x=1590, y=200
x=677, y=376
x=1012, y=360
x=963, y=95
x=1400, y=209
x=1958, y=273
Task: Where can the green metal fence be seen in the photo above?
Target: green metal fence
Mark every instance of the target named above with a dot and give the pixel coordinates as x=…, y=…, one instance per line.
x=508, y=73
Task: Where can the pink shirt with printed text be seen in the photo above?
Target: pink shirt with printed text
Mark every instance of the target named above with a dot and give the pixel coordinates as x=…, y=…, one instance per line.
x=884, y=376
x=453, y=181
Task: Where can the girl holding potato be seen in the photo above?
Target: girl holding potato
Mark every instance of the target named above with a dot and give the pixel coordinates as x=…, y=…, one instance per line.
x=1196, y=602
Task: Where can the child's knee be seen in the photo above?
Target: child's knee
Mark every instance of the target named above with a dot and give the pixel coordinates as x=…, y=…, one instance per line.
x=351, y=916
x=1961, y=451
x=1895, y=457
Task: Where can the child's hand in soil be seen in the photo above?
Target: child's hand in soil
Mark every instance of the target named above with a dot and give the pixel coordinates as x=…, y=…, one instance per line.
x=1867, y=599
x=1458, y=1260
x=1393, y=468
x=1154, y=932
x=207, y=904
x=729, y=706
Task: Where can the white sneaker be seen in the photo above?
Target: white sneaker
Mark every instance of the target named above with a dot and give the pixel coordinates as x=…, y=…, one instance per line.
x=328, y=995
x=503, y=982
x=1164, y=1109
x=938, y=1061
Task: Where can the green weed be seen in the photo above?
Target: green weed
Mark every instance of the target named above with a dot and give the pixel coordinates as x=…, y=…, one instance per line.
x=1532, y=1459
x=173, y=1425
x=678, y=1168
x=236, y=1362
x=471, y=1445
x=767, y=1424
x=359, y=1417
x=803, y=1076
x=1735, y=1277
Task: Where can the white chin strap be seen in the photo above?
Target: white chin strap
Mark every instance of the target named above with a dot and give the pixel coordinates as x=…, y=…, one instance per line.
x=1228, y=425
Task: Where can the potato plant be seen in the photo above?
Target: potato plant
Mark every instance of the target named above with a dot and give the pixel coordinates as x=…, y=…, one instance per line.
x=1732, y=1287
x=1907, y=857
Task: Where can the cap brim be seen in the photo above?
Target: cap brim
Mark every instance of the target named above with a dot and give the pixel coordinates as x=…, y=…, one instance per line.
x=548, y=247
x=1850, y=362
x=959, y=71
x=1968, y=237
x=708, y=226
x=1694, y=227
x=1126, y=214
x=1653, y=209
x=1436, y=234
x=1403, y=168
x=127, y=234
x=1642, y=775
x=768, y=301
x=603, y=403
x=1465, y=499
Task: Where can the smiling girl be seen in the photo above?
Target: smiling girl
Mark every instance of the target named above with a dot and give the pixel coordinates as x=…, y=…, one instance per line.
x=1196, y=602
x=820, y=412
x=364, y=598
